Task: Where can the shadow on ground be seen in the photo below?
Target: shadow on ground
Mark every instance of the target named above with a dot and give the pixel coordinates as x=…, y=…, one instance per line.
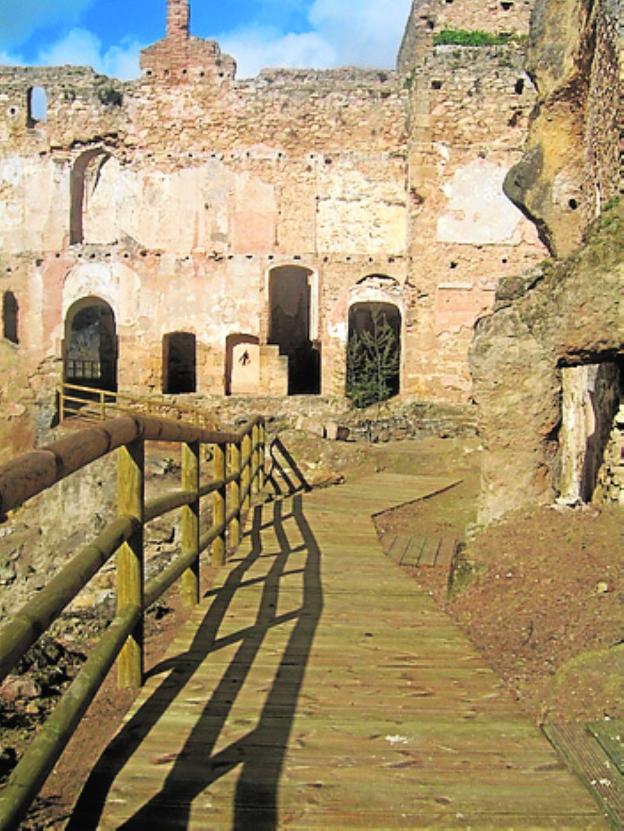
x=260, y=753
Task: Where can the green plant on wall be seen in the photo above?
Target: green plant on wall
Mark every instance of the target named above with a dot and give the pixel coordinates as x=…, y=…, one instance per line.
x=372, y=362
x=466, y=37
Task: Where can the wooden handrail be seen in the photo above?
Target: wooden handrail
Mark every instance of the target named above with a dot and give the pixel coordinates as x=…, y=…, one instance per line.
x=99, y=403
x=34, y=472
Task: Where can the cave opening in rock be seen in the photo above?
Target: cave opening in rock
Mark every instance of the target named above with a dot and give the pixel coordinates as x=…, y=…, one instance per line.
x=591, y=435
x=10, y=315
x=90, y=353
x=374, y=352
x=292, y=303
x=179, y=363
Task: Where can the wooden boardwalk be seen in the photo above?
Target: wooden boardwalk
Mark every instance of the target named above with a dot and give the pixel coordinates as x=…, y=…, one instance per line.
x=317, y=687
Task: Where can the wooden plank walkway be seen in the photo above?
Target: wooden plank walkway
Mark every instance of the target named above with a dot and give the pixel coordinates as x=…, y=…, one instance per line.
x=318, y=688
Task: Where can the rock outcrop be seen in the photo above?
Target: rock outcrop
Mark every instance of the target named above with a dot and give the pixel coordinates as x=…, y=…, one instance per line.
x=567, y=172
x=570, y=313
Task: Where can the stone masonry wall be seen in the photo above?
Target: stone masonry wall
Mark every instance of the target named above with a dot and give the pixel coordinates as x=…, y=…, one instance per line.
x=428, y=17
x=469, y=110
x=171, y=198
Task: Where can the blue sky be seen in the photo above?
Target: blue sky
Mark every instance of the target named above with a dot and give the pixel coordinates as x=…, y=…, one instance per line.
x=108, y=34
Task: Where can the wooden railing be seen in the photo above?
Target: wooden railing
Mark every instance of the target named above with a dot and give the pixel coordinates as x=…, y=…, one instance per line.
x=237, y=473
x=94, y=404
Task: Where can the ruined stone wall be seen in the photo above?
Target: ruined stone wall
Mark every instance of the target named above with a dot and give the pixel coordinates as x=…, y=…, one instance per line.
x=469, y=110
x=171, y=198
x=428, y=17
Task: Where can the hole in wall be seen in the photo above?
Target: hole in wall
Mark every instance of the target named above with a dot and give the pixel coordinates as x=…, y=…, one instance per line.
x=290, y=327
x=37, y=106
x=10, y=316
x=572, y=204
x=179, y=363
x=519, y=86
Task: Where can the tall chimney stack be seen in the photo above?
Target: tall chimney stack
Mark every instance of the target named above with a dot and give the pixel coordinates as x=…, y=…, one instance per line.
x=178, y=19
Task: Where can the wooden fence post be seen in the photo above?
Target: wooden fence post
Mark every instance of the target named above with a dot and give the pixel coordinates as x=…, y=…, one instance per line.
x=189, y=524
x=255, y=468
x=235, y=491
x=130, y=572
x=262, y=454
x=246, y=473
x=219, y=503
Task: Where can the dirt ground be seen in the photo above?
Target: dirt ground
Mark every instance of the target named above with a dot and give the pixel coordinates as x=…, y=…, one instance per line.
x=543, y=602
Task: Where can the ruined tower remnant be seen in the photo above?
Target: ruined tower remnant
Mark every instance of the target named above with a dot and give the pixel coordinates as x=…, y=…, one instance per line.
x=178, y=19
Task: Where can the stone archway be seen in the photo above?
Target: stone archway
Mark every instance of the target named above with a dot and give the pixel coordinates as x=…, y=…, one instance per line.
x=85, y=176
x=242, y=364
x=90, y=348
x=373, y=352
x=375, y=322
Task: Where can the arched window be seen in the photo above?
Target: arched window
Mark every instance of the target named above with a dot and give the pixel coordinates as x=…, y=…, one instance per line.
x=242, y=364
x=291, y=303
x=179, y=363
x=10, y=314
x=373, y=353
x=85, y=174
x=37, y=106
x=90, y=358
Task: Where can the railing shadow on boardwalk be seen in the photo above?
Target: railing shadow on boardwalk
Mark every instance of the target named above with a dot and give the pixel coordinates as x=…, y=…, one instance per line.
x=260, y=753
x=283, y=469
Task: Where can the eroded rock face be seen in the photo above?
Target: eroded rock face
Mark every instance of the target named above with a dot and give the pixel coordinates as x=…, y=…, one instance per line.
x=569, y=314
x=573, y=313
x=566, y=174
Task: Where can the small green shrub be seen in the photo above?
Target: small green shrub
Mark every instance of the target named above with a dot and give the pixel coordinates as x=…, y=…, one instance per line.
x=475, y=37
x=373, y=363
x=109, y=96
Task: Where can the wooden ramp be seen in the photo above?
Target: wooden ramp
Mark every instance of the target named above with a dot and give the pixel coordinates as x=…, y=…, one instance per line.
x=318, y=688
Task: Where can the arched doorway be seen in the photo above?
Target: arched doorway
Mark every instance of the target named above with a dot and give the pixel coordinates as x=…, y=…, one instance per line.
x=373, y=353
x=291, y=305
x=90, y=353
x=179, y=363
x=242, y=364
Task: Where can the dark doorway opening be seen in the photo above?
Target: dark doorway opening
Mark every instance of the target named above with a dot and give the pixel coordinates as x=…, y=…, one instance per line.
x=90, y=355
x=373, y=353
x=179, y=363
x=290, y=301
x=10, y=314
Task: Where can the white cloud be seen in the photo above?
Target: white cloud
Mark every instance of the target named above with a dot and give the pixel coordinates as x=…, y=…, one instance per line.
x=82, y=48
x=342, y=32
x=259, y=48
x=364, y=32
